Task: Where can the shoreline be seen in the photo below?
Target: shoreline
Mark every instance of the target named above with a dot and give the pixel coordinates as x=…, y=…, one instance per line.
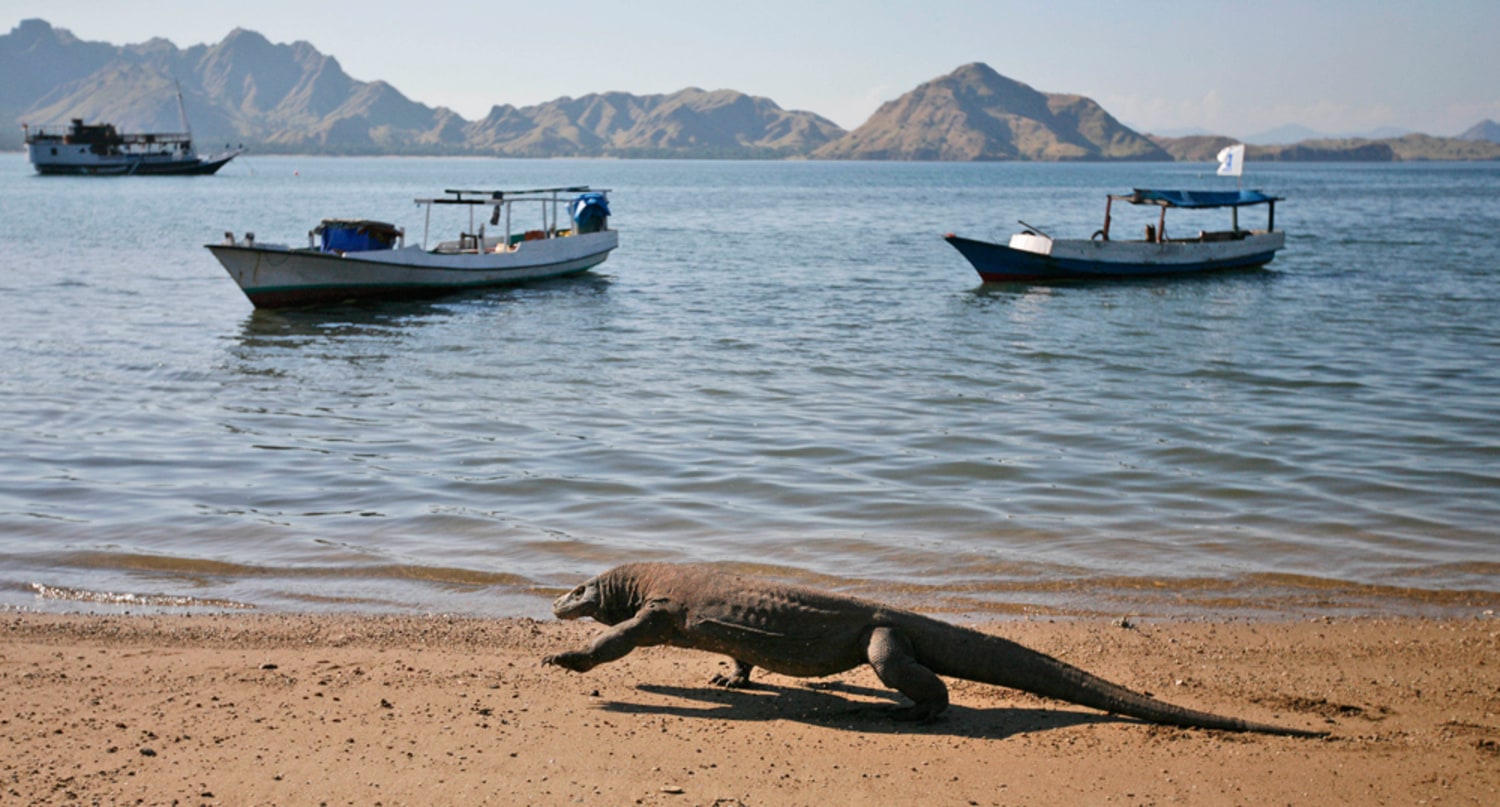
x=1257, y=597
x=262, y=708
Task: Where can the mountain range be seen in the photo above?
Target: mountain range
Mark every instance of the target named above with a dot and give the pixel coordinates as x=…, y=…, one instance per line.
x=290, y=98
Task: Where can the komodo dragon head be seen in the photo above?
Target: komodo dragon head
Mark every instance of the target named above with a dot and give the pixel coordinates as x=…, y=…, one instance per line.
x=582, y=601
x=610, y=598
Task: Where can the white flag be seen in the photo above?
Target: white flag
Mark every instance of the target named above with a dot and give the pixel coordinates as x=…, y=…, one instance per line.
x=1232, y=160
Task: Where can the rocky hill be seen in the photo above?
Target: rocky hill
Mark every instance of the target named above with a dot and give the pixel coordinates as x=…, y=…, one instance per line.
x=1407, y=148
x=687, y=123
x=974, y=113
x=1483, y=130
x=1205, y=148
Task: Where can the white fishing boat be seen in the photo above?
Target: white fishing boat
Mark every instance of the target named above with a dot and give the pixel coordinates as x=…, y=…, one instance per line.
x=349, y=259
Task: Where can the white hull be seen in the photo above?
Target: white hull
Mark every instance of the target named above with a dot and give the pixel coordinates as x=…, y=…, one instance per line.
x=277, y=275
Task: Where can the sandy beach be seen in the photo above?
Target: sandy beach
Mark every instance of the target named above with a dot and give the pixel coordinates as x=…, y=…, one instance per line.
x=287, y=709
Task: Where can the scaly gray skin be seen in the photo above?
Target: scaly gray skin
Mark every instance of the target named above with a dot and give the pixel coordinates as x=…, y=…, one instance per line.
x=802, y=632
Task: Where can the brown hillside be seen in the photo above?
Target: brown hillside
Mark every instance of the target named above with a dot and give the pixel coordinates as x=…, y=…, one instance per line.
x=974, y=113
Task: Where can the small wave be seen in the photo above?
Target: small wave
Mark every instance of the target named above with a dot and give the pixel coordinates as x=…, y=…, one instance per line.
x=47, y=592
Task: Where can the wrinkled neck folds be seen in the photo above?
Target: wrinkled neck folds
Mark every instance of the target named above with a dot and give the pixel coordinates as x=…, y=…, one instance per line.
x=620, y=596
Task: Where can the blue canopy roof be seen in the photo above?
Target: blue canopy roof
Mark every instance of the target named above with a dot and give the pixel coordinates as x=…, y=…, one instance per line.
x=1198, y=198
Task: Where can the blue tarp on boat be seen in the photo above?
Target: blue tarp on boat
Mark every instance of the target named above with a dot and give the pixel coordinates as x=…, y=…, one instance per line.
x=356, y=235
x=1198, y=198
x=589, y=210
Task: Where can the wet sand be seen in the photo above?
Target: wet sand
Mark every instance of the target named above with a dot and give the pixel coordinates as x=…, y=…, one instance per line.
x=280, y=709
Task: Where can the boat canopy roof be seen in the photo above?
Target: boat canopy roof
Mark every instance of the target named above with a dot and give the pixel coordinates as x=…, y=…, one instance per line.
x=1142, y=196
x=496, y=197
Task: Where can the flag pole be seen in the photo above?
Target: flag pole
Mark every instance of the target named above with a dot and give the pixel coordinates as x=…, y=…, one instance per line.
x=1232, y=161
x=1239, y=185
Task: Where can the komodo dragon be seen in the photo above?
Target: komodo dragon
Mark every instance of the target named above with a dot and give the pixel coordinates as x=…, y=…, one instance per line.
x=802, y=632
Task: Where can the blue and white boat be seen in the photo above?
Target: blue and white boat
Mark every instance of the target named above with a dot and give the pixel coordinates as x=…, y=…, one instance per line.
x=352, y=259
x=99, y=149
x=102, y=150
x=1033, y=255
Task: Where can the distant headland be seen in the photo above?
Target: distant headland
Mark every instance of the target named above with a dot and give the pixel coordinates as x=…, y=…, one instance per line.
x=290, y=98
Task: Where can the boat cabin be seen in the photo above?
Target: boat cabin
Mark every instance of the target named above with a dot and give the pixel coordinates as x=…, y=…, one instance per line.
x=104, y=139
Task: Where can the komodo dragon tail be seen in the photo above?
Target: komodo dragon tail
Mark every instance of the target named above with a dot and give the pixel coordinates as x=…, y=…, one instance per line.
x=990, y=659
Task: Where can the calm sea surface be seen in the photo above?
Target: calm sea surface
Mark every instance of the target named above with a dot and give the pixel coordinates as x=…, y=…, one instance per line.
x=784, y=369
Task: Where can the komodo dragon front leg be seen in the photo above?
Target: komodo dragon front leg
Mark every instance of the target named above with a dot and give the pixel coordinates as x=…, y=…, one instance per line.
x=650, y=626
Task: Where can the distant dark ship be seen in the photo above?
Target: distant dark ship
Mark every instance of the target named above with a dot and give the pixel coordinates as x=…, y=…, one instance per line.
x=102, y=149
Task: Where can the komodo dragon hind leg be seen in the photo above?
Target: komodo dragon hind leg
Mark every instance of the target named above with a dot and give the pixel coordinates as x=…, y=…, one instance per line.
x=891, y=655
x=738, y=679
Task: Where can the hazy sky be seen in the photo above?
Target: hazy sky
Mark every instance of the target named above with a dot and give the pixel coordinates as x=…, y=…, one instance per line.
x=1233, y=68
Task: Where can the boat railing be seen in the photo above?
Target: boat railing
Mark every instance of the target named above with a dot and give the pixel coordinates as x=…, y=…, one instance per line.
x=501, y=204
x=84, y=134
x=474, y=243
x=156, y=139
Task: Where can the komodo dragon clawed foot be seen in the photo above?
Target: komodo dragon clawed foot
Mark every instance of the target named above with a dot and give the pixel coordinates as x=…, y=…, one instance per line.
x=572, y=660
x=738, y=679
x=916, y=713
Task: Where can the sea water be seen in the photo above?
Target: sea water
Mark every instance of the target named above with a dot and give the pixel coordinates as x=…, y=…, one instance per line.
x=783, y=369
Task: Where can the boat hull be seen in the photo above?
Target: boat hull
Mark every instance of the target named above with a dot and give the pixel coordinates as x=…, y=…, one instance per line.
x=276, y=276
x=128, y=165
x=1038, y=258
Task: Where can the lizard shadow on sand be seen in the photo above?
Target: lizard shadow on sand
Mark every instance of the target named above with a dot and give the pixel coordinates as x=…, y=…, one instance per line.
x=826, y=704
